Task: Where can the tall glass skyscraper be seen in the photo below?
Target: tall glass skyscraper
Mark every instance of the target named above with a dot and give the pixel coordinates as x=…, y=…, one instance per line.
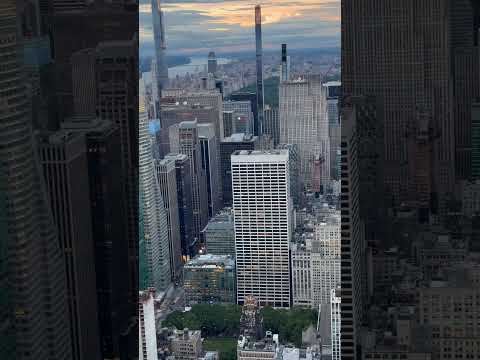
x=154, y=218
x=35, y=263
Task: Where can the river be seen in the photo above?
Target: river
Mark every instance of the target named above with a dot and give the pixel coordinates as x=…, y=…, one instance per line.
x=196, y=65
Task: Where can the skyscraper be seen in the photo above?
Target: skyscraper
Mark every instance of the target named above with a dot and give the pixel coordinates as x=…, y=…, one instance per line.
x=262, y=222
x=35, y=259
x=258, y=127
x=333, y=93
x=147, y=349
x=107, y=206
x=184, y=140
x=419, y=60
x=209, y=154
x=172, y=114
x=63, y=155
x=335, y=323
x=7, y=342
x=160, y=45
x=212, y=63
x=227, y=147
x=285, y=67
x=184, y=198
x=352, y=246
x=155, y=226
x=117, y=102
x=303, y=122
x=271, y=124
x=167, y=178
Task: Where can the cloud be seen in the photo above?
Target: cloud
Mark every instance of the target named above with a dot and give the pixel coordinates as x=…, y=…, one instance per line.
x=203, y=25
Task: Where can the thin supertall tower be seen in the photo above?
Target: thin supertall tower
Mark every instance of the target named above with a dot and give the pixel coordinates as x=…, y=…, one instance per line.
x=160, y=45
x=258, y=127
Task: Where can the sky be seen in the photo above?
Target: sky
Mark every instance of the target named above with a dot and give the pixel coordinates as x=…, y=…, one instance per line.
x=195, y=27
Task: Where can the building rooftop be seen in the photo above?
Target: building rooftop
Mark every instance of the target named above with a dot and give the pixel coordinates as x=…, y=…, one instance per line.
x=259, y=156
x=175, y=156
x=240, y=137
x=210, y=261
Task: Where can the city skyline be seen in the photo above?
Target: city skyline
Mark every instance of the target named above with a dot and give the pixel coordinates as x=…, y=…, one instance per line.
x=197, y=27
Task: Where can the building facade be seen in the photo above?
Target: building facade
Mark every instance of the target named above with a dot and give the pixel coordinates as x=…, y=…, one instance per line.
x=209, y=279
x=262, y=217
x=210, y=164
x=227, y=147
x=219, y=235
x=184, y=198
x=155, y=225
x=184, y=140
x=303, y=122
x=63, y=155
x=147, y=342
x=167, y=178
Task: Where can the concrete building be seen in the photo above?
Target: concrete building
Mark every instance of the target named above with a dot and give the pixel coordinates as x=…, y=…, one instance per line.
x=210, y=164
x=315, y=258
x=242, y=113
x=187, y=344
x=263, y=225
x=167, y=179
x=335, y=321
x=252, y=349
x=447, y=306
x=219, y=235
x=147, y=341
x=303, y=122
x=227, y=147
x=271, y=124
x=296, y=185
x=209, y=278
x=234, y=122
x=176, y=112
x=184, y=139
x=332, y=94
x=199, y=98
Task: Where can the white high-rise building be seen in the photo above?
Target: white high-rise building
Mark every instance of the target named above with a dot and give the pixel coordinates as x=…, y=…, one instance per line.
x=155, y=224
x=325, y=259
x=335, y=321
x=316, y=263
x=303, y=122
x=262, y=223
x=147, y=349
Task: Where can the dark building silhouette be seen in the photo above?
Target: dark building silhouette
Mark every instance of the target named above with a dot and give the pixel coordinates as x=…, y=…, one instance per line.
x=410, y=85
x=227, y=147
x=184, y=198
x=417, y=67
x=35, y=264
x=63, y=156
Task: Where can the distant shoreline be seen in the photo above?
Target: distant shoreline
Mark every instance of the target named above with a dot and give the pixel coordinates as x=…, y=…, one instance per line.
x=176, y=60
